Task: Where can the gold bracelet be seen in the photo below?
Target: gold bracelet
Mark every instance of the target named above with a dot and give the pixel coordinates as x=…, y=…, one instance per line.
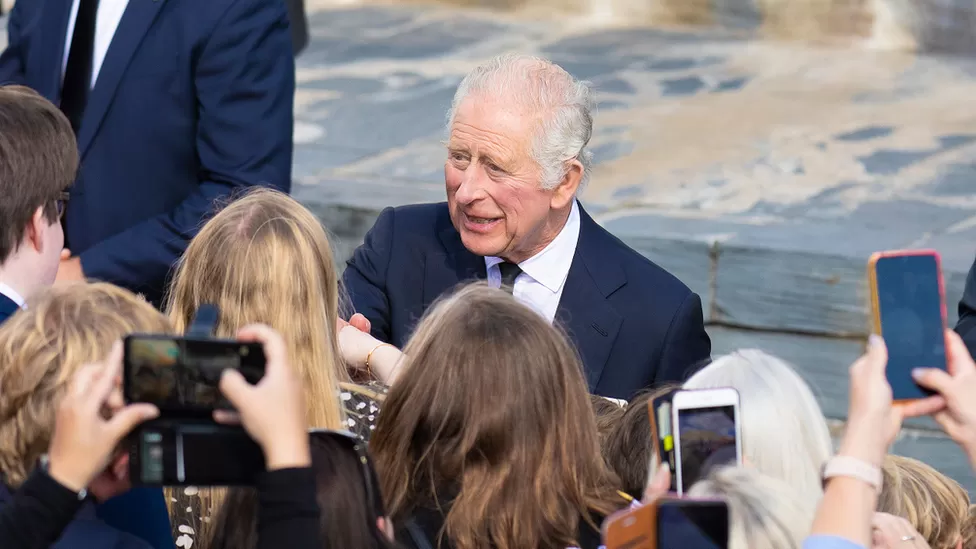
x=369, y=355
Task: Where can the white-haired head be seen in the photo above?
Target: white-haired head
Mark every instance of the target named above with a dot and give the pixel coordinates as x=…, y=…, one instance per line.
x=784, y=432
x=764, y=512
x=540, y=88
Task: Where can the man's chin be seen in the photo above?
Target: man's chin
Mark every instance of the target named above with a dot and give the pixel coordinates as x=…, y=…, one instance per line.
x=480, y=244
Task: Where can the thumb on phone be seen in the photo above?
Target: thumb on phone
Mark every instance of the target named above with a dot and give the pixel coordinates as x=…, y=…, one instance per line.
x=123, y=422
x=234, y=387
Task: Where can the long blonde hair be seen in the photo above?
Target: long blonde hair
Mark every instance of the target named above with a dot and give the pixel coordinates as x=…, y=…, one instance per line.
x=265, y=258
x=43, y=346
x=494, y=410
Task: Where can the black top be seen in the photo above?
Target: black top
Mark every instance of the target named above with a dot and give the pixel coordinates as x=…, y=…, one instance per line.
x=288, y=514
x=421, y=531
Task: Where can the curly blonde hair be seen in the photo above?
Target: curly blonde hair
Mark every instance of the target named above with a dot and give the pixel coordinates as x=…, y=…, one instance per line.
x=936, y=505
x=43, y=346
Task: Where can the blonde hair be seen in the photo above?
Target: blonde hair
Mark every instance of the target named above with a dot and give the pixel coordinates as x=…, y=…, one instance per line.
x=264, y=258
x=784, y=432
x=42, y=347
x=764, y=512
x=936, y=505
x=496, y=411
x=969, y=529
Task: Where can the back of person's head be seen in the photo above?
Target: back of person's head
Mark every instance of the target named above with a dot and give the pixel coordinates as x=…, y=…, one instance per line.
x=608, y=413
x=784, y=432
x=936, y=505
x=630, y=447
x=352, y=512
x=764, y=512
x=43, y=346
x=265, y=258
x=38, y=162
x=969, y=529
x=492, y=412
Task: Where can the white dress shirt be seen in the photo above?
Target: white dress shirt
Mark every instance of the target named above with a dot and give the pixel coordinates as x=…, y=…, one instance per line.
x=540, y=284
x=12, y=295
x=106, y=22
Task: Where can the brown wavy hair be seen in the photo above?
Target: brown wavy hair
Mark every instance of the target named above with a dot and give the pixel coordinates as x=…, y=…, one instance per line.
x=263, y=258
x=43, y=346
x=495, y=414
x=936, y=505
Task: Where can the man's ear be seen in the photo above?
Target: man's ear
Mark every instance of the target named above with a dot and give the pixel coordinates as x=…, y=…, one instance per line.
x=565, y=192
x=36, y=229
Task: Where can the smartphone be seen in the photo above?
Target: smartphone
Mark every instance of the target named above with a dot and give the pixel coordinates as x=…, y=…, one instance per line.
x=632, y=528
x=180, y=453
x=662, y=435
x=692, y=524
x=908, y=310
x=706, y=433
x=181, y=375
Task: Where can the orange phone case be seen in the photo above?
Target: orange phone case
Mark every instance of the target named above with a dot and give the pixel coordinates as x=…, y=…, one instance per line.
x=634, y=528
x=873, y=289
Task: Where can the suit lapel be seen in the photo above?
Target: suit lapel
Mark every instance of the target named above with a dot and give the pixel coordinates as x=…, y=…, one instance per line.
x=443, y=271
x=54, y=35
x=7, y=308
x=138, y=17
x=592, y=322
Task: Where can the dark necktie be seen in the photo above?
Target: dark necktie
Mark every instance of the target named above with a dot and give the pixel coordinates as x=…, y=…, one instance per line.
x=78, y=72
x=510, y=272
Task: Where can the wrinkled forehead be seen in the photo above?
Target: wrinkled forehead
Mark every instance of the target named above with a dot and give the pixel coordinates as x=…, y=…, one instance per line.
x=483, y=117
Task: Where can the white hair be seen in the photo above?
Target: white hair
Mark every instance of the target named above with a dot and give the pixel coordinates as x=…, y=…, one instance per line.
x=784, y=432
x=538, y=85
x=764, y=512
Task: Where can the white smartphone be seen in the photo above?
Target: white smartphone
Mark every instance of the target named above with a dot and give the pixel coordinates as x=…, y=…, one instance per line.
x=706, y=431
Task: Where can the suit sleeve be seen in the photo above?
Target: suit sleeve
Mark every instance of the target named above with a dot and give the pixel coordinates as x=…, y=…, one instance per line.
x=687, y=345
x=12, y=58
x=245, y=85
x=365, y=277
x=966, y=327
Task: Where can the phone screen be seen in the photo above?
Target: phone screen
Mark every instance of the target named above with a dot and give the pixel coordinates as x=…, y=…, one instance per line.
x=204, y=455
x=179, y=374
x=707, y=439
x=692, y=524
x=911, y=311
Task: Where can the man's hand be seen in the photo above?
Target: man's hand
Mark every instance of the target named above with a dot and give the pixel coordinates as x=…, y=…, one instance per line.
x=70, y=269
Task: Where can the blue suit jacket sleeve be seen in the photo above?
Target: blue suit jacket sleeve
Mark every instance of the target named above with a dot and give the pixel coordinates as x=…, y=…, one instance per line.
x=687, y=345
x=141, y=512
x=245, y=85
x=11, y=60
x=967, y=312
x=366, y=274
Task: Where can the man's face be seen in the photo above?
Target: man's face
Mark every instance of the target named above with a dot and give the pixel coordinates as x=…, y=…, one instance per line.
x=493, y=184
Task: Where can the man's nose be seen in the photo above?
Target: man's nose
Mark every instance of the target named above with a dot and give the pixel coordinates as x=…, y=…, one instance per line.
x=472, y=186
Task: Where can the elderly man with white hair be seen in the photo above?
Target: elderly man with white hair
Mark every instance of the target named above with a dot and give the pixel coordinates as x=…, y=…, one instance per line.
x=516, y=161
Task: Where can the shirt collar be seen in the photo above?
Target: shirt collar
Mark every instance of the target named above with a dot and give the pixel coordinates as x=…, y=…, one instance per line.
x=550, y=267
x=13, y=295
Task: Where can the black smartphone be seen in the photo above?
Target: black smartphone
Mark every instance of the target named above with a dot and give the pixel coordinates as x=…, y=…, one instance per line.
x=659, y=411
x=908, y=309
x=181, y=375
x=178, y=453
x=692, y=524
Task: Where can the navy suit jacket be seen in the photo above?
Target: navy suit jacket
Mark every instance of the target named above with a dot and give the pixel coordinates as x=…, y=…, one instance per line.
x=966, y=327
x=633, y=323
x=193, y=102
x=7, y=308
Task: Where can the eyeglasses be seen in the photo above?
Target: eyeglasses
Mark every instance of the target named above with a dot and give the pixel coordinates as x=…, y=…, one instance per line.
x=353, y=444
x=61, y=203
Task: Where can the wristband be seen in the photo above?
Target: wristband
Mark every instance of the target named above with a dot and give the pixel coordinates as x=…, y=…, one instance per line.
x=846, y=466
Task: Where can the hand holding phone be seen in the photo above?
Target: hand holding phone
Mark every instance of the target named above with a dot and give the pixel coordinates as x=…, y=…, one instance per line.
x=670, y=523
x=273, y=411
